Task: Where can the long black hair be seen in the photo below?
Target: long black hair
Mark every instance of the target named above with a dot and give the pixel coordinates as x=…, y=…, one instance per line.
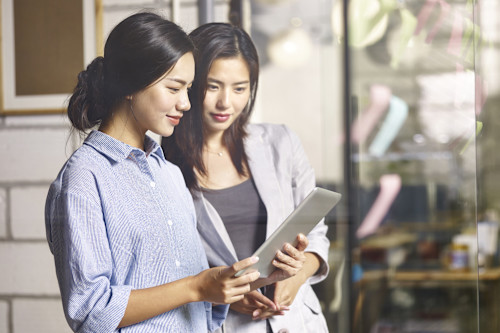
x=138, y=51
x=185, y=147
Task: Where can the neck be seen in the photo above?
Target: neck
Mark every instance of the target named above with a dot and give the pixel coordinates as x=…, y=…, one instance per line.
x=214, y=141
x=122, y=126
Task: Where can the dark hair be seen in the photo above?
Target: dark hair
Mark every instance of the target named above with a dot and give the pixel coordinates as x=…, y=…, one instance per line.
x=138, y=51
x=185, y=147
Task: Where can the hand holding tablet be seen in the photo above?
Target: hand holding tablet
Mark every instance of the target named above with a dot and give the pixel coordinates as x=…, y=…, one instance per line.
x=303, y=219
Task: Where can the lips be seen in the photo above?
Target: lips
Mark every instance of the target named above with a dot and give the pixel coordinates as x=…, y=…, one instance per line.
x=174, y=120
x=220, y=117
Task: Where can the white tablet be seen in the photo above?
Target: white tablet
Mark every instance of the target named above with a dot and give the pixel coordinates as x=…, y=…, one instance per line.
x=303, y=219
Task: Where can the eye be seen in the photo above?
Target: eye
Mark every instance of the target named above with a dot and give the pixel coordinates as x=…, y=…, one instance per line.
x=240, y=89
x=174, y=90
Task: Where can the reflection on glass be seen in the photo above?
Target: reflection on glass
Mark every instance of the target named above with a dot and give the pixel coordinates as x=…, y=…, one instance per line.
x=414, y=152
x=417, y=248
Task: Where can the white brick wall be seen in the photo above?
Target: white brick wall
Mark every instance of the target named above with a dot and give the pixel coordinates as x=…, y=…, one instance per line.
x=4, y=317
x=28, y=269
x=46, y=315
x=27, y=205
x=3, y=213
x=32, y=151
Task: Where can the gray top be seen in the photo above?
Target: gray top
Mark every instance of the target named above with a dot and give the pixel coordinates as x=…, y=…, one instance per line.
x=243, y=213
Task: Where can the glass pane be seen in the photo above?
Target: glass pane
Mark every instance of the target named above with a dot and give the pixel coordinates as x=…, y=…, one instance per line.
x=419, y=177
x=487, y=99
x=413, y=134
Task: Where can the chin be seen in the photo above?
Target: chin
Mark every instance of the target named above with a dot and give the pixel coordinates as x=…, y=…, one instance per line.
x=163, y=132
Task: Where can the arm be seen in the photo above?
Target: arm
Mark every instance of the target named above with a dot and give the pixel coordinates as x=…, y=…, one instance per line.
x=84, y=266
x=315, y=267
x=303, y=181
x=216, y=285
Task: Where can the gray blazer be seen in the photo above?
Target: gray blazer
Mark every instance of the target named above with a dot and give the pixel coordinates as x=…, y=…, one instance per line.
x=283, y=177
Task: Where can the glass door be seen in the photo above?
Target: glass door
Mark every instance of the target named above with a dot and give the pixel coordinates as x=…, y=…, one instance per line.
x=413, y=122
x=396, y=109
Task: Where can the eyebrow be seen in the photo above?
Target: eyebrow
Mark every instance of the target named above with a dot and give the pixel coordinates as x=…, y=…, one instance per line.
x=234, y=84
x=178, y=80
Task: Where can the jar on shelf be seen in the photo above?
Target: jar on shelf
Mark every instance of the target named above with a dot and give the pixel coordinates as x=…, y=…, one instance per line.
x=459, y=257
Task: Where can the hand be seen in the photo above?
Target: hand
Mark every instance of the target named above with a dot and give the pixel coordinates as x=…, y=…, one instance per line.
x=290, y=262
x=253, y=301
x=286, y=290
x=268, y=312
x=218, y=285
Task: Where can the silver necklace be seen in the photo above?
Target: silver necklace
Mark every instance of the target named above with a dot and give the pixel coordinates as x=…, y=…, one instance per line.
x=213, y=152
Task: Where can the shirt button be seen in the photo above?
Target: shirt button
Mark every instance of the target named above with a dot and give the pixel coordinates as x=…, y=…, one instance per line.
x=152, y=184
x=170, y=222
x=177, y=263
x=283, y=330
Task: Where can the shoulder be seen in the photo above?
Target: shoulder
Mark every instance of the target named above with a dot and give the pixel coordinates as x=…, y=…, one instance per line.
x=81, y=170
x=175, y=172
x=273, y=134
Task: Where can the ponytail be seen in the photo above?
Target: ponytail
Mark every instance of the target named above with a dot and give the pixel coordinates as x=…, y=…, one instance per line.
x=86, y=107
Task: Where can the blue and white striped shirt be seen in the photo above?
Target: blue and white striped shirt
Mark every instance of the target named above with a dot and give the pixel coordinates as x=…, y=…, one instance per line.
x=118, y=218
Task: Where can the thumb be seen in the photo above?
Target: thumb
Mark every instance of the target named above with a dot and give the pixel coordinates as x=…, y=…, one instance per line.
x=302, y=242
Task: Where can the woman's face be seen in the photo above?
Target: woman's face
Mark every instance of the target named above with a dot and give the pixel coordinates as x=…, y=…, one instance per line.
x=159, y=107
x=228, y=92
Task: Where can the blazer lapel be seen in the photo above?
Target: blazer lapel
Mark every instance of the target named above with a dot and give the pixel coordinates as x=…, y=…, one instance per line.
x=260, y=162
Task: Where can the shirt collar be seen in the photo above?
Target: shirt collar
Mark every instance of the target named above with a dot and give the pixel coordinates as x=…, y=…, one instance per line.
x=117, y=150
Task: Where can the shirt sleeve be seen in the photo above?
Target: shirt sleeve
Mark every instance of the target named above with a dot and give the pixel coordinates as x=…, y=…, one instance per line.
x=216, y=315
x=303, y=181
x=78, y=240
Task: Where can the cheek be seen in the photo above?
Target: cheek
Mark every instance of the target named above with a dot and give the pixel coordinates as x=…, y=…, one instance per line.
x=208, y=102
x=242, y=104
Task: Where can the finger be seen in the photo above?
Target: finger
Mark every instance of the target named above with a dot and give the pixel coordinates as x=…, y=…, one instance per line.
x=286, y=270
x=266, y=314
x=240, y=265
x=233, y=299
x=245, y=279
x=264, y=301
x=302, y=242
x=291, y=251
x=288, y=260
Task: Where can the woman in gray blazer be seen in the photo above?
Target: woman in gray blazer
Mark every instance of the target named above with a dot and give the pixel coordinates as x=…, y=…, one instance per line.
x=245, y=180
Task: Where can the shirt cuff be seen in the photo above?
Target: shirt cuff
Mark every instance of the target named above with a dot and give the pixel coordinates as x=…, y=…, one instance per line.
x=216, y=314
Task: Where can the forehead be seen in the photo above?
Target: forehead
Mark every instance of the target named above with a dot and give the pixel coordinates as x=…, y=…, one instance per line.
x=232, y=66
x=182, y=70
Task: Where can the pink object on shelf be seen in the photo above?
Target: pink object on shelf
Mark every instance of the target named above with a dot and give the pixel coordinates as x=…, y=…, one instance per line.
x=390, y=185
x=455, y=42
x=424, y=14
x=380, y=97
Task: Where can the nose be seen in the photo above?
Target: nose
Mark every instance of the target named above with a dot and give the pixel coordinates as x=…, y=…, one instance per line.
x=223, y=99
x=183, y=104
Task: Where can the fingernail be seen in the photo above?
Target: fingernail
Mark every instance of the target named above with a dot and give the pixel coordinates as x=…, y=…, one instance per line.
x=255, y=259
